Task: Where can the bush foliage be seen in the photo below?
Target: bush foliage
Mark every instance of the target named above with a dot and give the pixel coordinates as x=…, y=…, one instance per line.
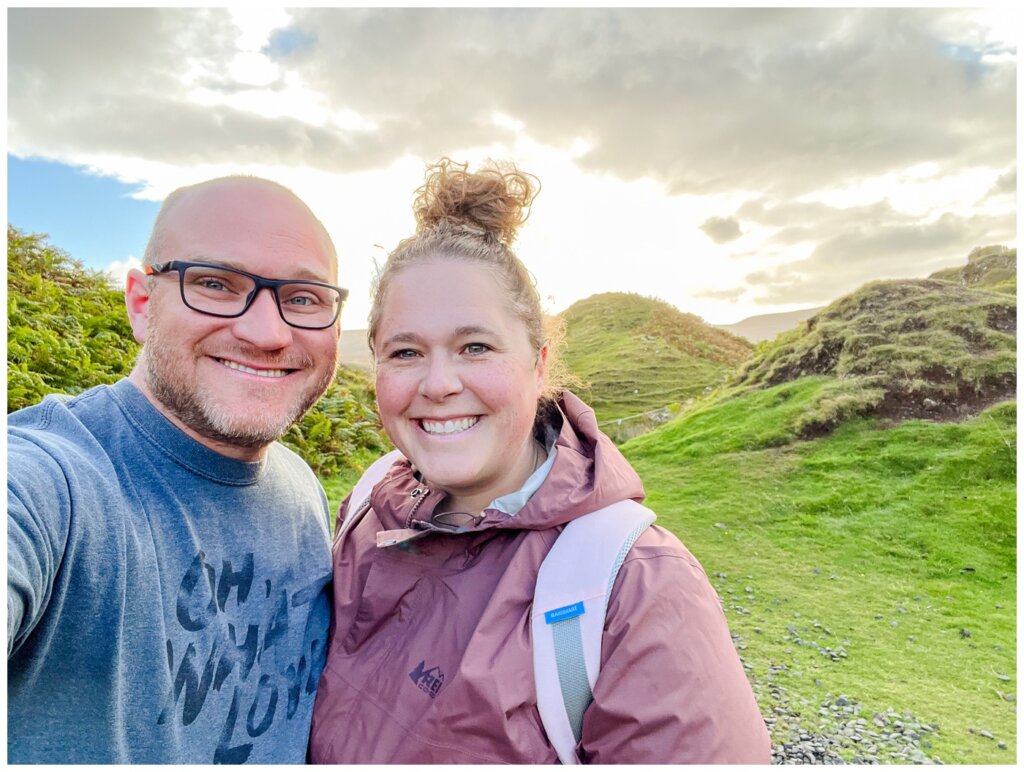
x=67, y=331
x=66, y=325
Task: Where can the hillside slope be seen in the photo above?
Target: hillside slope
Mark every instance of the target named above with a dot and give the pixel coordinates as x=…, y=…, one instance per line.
x=638, y=354
x=866, y=559
x=868, y=577
x=921, y=348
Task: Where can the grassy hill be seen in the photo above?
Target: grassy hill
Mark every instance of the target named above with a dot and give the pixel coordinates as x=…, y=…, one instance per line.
x=923, y=348
x=993, y=268
x=851, y=492
x=638, y=354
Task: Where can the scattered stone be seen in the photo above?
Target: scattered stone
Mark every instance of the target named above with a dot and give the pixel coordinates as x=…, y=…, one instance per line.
x=1001, y=746
x=839, y=728
x=1002, y=677
x=721, y=525
x=965, y=633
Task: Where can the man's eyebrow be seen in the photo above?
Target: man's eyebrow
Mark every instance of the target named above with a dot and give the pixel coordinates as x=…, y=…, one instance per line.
x=302, y=273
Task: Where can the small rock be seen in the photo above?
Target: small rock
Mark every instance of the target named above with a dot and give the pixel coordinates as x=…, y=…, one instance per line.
x=965, y=633
x=721, y=525
x=1001, y=746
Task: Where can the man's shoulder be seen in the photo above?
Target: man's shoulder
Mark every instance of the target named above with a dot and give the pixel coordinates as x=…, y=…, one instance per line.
x=62, y=420
x=284, y=458
x=291, y=472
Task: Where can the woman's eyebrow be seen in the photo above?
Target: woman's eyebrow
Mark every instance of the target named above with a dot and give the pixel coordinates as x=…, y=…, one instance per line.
x=402, y=337
x=474, y=329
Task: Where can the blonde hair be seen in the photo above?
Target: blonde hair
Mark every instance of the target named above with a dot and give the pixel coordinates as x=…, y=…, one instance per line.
x=475, y=216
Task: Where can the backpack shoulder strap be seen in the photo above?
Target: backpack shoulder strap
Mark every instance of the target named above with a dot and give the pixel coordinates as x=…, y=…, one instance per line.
x=569, y=605
x=360, y=495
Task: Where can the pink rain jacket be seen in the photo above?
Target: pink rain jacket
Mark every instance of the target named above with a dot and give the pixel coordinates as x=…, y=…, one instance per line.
x=430, y=658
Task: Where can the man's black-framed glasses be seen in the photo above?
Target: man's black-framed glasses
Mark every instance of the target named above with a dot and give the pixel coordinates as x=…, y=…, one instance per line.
x=217, y=290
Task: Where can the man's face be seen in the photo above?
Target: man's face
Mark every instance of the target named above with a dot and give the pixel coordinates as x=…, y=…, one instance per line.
x=236, y=384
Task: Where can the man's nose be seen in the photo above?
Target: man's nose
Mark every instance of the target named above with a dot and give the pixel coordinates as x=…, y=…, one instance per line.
x=261, y=325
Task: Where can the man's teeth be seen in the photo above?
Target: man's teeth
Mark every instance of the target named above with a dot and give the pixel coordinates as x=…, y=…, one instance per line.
x=448, y=427
x=251, y=371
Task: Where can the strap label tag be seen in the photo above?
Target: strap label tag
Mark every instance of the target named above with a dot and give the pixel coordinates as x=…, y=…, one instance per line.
x=563, y=613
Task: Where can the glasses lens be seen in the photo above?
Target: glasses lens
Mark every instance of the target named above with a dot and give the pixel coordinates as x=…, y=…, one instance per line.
x=308, y=305
x=216, y=290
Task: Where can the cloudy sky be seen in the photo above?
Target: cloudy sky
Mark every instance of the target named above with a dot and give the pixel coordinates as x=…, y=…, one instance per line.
x=730, y=161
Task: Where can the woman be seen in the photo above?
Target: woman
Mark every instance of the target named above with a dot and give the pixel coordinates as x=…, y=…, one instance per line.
x=430, y=657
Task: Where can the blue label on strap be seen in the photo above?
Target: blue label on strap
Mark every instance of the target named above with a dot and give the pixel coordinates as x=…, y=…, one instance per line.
x=566, y=612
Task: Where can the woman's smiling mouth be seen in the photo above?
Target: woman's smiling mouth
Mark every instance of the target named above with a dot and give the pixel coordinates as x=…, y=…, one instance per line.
x=448, y=427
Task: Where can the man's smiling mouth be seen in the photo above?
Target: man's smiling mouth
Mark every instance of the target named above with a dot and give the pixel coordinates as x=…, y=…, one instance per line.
x=270, y=373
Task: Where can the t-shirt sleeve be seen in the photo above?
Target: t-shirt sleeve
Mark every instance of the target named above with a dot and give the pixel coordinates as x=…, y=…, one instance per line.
x=671, y=689
x=38, y=523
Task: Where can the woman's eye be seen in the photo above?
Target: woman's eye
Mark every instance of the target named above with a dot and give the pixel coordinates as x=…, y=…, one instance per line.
x=477, y=348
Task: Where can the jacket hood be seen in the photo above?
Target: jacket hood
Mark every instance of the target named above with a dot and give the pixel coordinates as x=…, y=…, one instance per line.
x=588, y=473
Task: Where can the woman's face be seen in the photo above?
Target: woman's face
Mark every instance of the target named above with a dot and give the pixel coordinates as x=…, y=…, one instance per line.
x=457, y=380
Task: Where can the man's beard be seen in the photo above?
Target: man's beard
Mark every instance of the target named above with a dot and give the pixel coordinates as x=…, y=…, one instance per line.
x=230, y=425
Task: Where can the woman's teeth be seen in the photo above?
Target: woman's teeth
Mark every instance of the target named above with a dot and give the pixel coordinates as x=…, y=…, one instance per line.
x=448, y=427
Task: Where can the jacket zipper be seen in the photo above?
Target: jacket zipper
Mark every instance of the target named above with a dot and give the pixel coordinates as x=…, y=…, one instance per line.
x=419, y=494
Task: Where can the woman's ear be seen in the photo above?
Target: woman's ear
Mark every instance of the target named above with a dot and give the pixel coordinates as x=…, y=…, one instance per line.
x=136, y=297
x=542, y=367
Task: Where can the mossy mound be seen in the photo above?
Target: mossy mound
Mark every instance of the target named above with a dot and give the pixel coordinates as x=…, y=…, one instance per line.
x=993, y=268
x=924, y=348
x=637, y=354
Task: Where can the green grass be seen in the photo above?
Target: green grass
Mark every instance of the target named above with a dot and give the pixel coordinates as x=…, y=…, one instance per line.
x=895, y=539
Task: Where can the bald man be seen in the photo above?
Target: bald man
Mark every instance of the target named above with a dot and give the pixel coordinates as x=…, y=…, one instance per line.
x=167, y=558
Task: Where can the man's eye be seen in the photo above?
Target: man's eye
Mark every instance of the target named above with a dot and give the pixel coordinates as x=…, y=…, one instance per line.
x=403, y=353
x=477, y=348
x=303, y=301
x=208, y=283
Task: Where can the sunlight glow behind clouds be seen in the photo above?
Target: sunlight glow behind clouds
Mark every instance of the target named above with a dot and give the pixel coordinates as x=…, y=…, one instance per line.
x=781, y=131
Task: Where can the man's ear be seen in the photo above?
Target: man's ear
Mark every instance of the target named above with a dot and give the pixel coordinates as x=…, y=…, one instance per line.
x=136, y=298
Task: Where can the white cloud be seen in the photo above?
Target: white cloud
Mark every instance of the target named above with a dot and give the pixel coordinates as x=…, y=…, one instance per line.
x=118, y=270
x=643, y=125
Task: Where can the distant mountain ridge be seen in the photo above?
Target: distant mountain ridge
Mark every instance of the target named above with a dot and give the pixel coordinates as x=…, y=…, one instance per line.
x=767, y=326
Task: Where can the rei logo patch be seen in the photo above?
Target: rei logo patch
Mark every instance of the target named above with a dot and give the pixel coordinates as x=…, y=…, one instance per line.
x=428, y=680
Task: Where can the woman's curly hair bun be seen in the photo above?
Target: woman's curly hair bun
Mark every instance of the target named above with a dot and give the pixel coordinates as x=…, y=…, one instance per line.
x=493, y=201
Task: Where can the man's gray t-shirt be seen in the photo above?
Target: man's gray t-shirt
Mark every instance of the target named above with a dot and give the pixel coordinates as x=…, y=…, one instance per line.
x=166, y=604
